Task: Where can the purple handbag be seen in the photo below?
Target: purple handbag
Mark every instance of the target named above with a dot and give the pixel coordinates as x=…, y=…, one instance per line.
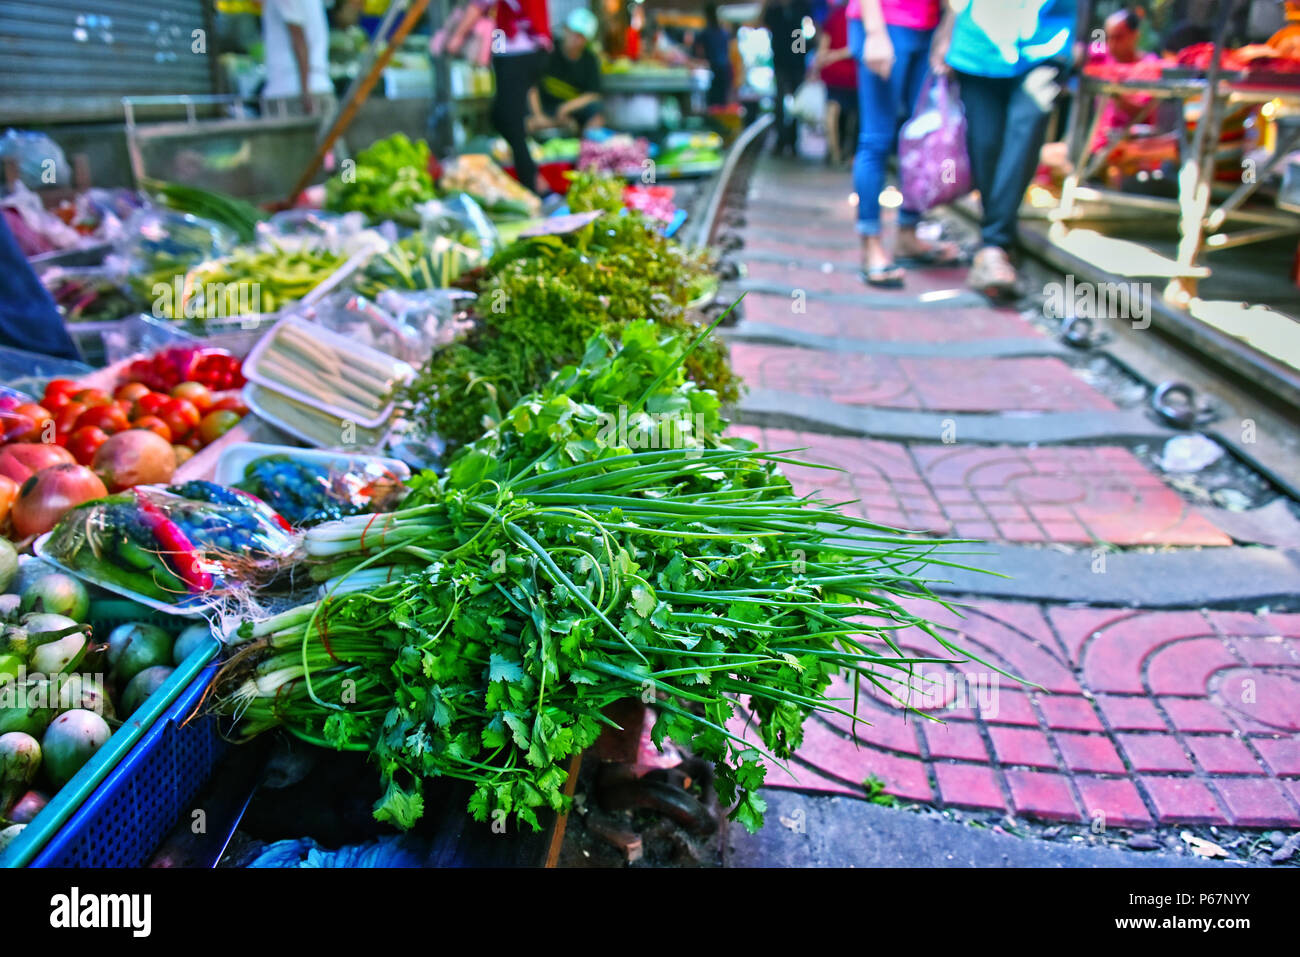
x=933, y=165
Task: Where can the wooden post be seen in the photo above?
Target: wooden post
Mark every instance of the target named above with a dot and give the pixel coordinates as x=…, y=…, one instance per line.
x=361, y=93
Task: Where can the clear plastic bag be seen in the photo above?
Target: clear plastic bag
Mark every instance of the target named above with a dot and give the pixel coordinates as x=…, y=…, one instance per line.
x=40, y=160
x=36, y=229
x=405, y=324
x=459, y=217
x=315, y=229
x=933, y=165
x=156, y=236
x=172, y=549
x=309, y=492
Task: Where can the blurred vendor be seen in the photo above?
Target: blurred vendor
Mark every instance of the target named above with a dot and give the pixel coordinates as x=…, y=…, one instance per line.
x=1121, y=111
x=568, y=94
x=713, y=47
x=29, y=319
x=296, y=36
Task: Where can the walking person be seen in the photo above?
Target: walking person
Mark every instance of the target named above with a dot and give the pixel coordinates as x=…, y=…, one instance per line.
x=712, y=46
x=834, y=65
x=890, y=43
x=520, y=45
x=1010, y=57
x=784, y=21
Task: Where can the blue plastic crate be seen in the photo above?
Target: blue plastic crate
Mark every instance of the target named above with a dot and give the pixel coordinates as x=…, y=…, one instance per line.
x=141, y=799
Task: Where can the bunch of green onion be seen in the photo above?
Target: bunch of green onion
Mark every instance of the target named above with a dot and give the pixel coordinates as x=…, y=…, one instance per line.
x=481, y=632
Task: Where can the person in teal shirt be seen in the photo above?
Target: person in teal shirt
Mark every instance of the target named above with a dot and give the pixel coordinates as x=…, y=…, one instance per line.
x=1010, y=58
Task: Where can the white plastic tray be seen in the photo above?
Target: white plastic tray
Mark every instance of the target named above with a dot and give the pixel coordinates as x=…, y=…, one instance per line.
x=401, y=370
x=253, y=399
x=235, y=458
x=191, y=606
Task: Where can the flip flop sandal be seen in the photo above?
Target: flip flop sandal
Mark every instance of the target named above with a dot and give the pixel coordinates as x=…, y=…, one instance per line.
x=880, y=276
x=934, y=258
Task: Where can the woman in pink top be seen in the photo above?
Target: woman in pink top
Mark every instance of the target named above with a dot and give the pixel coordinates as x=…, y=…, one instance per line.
x=890, y=40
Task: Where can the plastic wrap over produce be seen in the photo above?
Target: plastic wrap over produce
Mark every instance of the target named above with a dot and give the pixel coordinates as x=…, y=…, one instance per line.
x=460, y=218
x=337, y=232
x=307, y=493
x=169, y=548
x=158, y=237
x=406, y=324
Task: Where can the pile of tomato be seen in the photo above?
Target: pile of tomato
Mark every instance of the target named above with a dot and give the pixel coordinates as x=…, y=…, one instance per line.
x=216, y=369
x=190, y=415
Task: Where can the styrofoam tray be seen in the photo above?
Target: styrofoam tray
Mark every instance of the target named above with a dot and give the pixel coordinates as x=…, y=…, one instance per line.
x=401, y=370
x=253, y=399
x=191, y=606
x=237, y=457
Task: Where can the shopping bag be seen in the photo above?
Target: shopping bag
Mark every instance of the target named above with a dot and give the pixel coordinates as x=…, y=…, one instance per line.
x=810, y=101
x=933, y=165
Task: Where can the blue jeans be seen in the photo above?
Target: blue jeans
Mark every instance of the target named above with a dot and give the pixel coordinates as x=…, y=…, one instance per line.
x=883, y=106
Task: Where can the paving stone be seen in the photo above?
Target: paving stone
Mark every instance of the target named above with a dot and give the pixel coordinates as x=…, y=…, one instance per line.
x=1183, y=801
x=1281, y=754
x=850, y=322
x=1111, y=498
x=1131, y=713
x=1092, y=738
x=1155, y=752
x=1042, y=795
x=1254, y=803
x=1116, y=799
x=1089, y=752
x=1260, y=699
x=968, y=785
x=1223, y=754
x=1023, y=746
x=1029, y=383
x=955, y=739
x=1196, y=715
x=798, y=276
x=1069, y=712
x=1114, y=657
x=1186, y=666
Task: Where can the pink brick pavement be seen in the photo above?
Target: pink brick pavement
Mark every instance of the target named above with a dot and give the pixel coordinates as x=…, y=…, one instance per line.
x=837, y=319
x=1136, y=718
x=996, y=493
x=1028, y=383
x=1102, y=739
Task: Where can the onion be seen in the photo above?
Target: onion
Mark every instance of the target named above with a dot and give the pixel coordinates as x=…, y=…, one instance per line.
x=8, y=493
x=135, y=457
x=50, y=494
x=21, y=460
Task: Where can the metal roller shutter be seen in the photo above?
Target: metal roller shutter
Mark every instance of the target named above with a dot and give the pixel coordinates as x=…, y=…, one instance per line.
x=73, y=60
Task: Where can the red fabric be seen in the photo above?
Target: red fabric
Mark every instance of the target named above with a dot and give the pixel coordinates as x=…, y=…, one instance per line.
x=842, y=74
x=531, y=15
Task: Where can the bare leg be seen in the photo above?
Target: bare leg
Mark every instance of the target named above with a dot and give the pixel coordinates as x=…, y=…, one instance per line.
x=833, y=132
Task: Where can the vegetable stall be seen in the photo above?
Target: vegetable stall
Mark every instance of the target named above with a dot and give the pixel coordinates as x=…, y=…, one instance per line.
x=421, y=485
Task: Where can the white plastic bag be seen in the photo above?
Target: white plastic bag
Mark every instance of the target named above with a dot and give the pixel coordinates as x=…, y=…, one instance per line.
x=810, y=101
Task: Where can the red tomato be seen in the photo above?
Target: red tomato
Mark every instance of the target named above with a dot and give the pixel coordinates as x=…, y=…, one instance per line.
x=92, y=397
x=58, y=393
x=66, y=419
x=131, y=391
x=195, y=392
x=181, y=417
x=149, y=403
x=84, y=442
x=216, y=424
x=193, y=441
x=232, y=403
x=43, y=426
x=153, y=424
x=110, y=418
